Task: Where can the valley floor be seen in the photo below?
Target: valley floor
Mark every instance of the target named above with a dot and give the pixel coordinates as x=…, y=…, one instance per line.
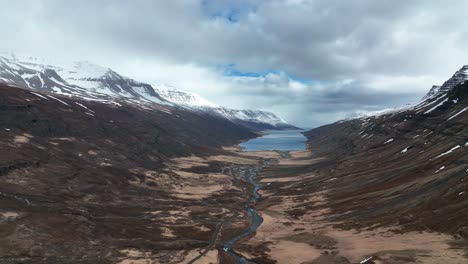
x=205, y=206
x=299, y=223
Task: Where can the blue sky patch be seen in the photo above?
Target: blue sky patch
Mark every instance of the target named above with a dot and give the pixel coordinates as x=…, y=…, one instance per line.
x=231, y=70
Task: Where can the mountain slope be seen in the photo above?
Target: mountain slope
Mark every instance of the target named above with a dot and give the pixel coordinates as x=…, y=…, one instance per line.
x=85, y=182
x=410, y=162
x=93, y=82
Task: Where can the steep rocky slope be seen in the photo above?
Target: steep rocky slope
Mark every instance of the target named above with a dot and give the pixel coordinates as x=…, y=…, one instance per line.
x=407, y=166
x=459, y=77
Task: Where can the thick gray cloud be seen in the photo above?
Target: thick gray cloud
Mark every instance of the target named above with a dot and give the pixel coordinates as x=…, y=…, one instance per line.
x=356, y=55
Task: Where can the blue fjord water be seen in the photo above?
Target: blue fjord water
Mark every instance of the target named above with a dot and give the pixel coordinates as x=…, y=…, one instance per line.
x=277, y=140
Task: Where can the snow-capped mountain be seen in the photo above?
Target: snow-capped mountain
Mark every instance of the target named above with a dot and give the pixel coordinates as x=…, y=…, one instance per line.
x=80, y=79
x=93, y=82
x=254, y=119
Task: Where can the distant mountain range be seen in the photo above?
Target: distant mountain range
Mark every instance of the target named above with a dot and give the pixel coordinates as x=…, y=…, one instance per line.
x=92, y=82
x=253, y=119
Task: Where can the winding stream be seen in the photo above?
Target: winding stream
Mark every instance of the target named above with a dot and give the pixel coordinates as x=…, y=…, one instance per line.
x=255, y=220
x=282, y=142
x=249, y=173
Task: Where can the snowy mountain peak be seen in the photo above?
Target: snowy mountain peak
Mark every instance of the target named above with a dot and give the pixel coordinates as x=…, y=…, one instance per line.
x=80, y=79
x=176, y=96
x=86, y=70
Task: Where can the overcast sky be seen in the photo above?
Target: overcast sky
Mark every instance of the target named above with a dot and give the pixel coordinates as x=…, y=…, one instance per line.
x=310, y=61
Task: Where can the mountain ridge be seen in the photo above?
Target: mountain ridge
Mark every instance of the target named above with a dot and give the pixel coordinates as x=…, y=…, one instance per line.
x=94, y=82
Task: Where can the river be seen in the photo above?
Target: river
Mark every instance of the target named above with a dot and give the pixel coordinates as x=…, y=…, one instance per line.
x=281, y=141
x=255, y=220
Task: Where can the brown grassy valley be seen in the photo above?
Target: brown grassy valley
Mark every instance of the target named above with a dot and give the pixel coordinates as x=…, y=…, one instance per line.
x=85, y=181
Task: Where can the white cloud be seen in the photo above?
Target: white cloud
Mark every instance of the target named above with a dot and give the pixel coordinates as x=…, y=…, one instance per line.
x=353, y=52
